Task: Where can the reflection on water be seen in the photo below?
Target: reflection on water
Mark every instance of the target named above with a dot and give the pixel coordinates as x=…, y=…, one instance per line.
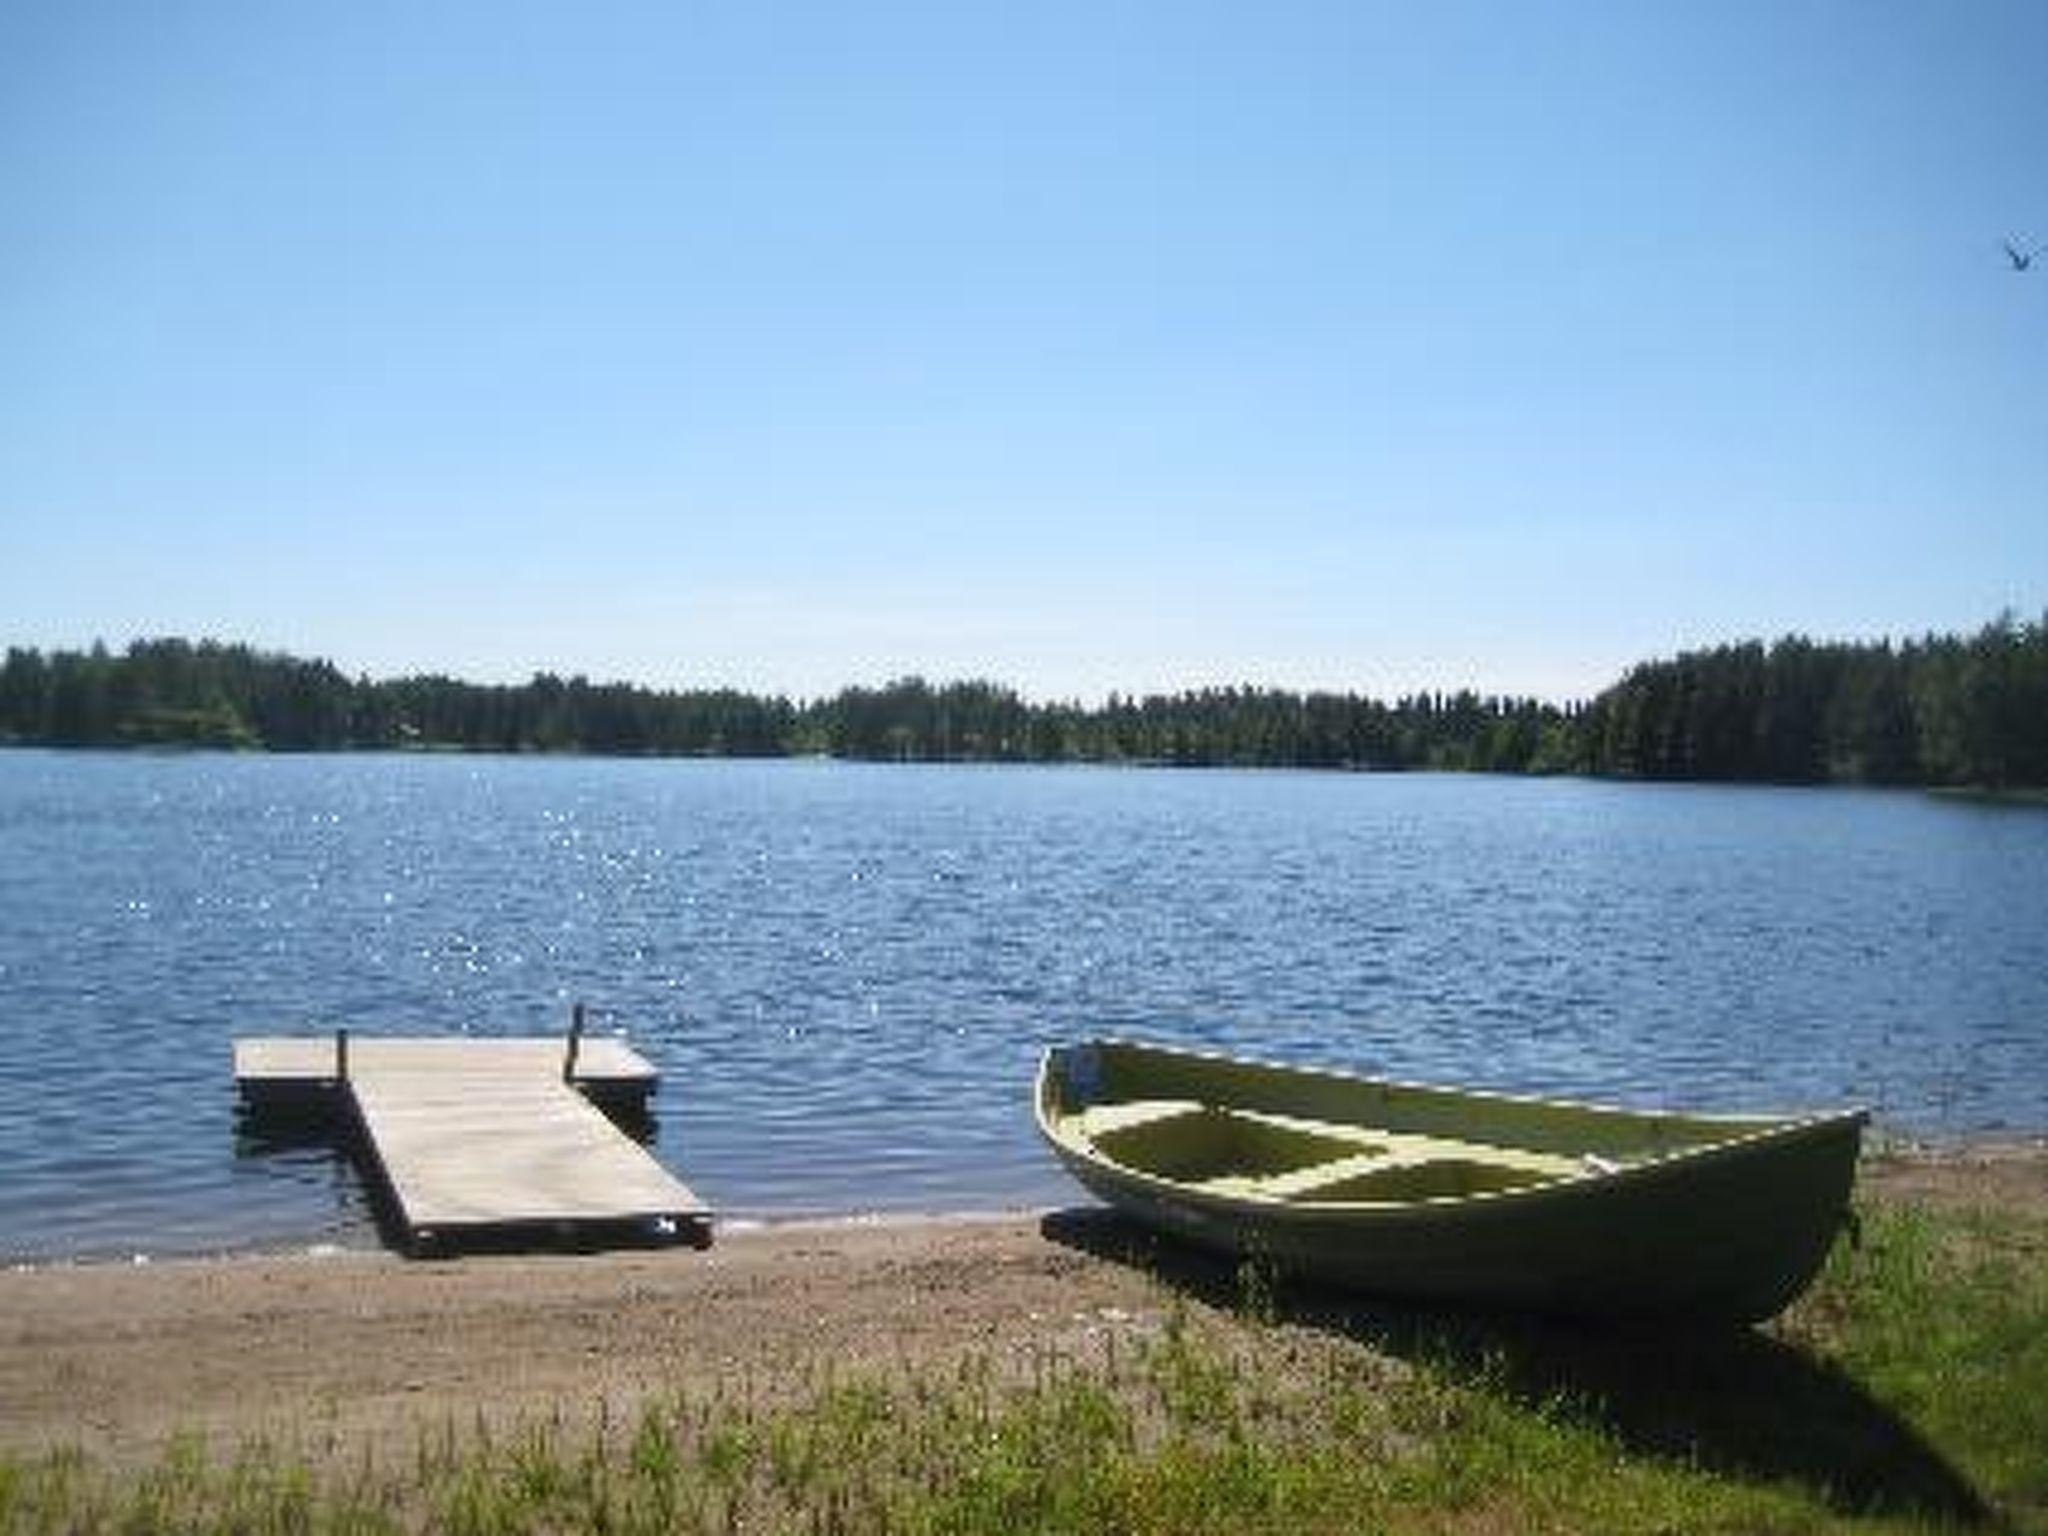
x=845, y=972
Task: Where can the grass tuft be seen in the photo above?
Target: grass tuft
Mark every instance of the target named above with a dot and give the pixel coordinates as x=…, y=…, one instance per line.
x=1908, y=1393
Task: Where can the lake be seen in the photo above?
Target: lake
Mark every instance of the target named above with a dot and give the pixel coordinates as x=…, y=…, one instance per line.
x=845, y=972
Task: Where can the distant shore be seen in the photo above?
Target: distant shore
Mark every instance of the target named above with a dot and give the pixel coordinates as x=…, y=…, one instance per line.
x=360, y=1350
x=1793, y=712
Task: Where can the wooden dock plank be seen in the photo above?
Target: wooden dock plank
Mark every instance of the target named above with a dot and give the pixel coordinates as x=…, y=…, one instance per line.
x=497, y=1149
x=286, y=1059
x=474, y=1133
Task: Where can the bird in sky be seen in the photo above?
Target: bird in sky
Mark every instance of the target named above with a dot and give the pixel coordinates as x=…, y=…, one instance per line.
x=2021, y=260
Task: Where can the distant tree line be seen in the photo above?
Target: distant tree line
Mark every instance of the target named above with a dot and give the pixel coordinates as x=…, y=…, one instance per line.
x=1940, y=711
x=1945, y=710
x=175, y=692
x=1211, y=727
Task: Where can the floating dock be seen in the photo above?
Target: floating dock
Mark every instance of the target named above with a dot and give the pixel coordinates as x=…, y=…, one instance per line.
x=484, y=1139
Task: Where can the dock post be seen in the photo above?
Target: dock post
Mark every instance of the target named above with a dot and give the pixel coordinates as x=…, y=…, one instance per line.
x=575, y=1044
x=341, y=1055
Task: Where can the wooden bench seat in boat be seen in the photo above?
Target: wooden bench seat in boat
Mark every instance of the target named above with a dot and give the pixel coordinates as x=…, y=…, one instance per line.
x=1260, y=1155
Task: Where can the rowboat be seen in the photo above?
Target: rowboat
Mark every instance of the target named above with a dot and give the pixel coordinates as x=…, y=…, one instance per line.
x=1452, y=1196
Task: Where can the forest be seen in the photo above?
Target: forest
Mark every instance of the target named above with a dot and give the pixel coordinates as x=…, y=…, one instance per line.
x=1943, y=711
x=1960, y=711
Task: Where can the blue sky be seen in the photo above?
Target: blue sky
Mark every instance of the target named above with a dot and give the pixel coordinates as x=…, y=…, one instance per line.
x=1082, y=346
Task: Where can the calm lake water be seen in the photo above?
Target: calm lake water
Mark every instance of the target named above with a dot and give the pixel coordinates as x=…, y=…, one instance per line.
x=845, y=972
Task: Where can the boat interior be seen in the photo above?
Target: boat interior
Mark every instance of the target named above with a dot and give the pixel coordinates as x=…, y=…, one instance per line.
x=1261, y=1132
x=1258, y=1155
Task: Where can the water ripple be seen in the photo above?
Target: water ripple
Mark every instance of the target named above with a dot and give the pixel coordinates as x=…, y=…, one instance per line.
x=846, y=972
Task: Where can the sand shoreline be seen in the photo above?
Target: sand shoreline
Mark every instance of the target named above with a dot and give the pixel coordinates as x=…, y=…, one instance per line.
x=362, y=1347
x=370, y=1245
x=1890, y=1156
x=358, y=1348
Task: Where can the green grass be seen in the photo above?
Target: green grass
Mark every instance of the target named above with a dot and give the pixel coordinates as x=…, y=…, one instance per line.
x=1909, y=1392
x=1945, y=1320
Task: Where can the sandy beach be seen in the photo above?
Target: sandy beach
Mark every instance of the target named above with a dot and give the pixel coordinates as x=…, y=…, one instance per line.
x=333, y=1352
x=355, y=1344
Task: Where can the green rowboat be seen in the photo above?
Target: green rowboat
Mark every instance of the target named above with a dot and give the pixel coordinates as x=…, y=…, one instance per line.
x=1444, y=1195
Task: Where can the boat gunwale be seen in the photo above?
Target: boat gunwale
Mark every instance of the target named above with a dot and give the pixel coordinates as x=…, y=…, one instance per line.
x=1590, y=1184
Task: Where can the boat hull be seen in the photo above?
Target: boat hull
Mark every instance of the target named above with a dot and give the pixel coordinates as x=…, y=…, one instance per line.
x=1723, y=1220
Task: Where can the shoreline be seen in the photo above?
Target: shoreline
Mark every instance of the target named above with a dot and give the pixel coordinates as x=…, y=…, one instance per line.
x=367, y=1243
x=1881, y=1151
x=357, y=1350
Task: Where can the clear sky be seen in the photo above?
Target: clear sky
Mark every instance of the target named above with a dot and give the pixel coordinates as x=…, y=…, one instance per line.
x=1077, y=345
